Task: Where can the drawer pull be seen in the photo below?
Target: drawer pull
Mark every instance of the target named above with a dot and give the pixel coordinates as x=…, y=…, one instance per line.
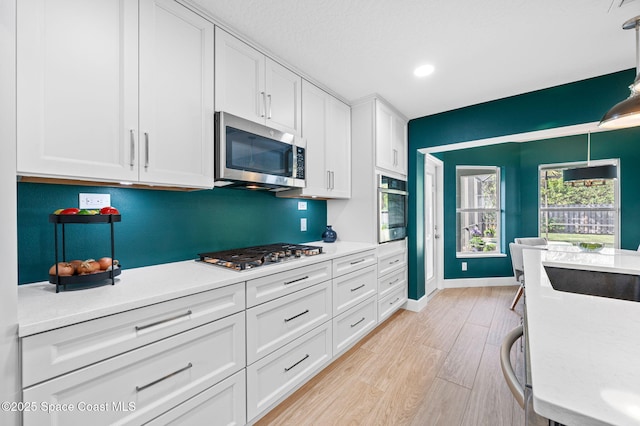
x=155, y=382
x=287, y=369
x=391, y=303
x=296, y=280
x=296, y=316
x=357, y=288
x=394, y=281
x=357, y=322
x=153, y=324
x=357, y=261
x=395, y=261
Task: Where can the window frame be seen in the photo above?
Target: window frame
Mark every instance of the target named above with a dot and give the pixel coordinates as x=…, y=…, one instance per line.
x=499, y=252
x=616, y=189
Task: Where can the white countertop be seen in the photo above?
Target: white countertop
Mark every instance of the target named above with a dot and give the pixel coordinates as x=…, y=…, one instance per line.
x=41, y=309
x=607, y=260
x=584, y=350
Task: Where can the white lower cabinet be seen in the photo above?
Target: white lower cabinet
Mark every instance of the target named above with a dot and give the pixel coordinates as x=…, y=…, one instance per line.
x=351, y=289
x=354, y=324
x=274, y=376
x=139, y=385
x=273, y=324
x=391, y=303
x=222, y=404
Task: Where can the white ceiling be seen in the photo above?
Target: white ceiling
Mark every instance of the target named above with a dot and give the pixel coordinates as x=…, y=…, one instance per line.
x=482, y=49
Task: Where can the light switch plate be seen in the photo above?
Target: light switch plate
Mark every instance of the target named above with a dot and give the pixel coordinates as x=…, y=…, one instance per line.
x=303, y=224
x=93, y=201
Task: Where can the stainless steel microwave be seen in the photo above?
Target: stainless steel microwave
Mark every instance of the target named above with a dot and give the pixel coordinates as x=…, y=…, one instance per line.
x=251, y=155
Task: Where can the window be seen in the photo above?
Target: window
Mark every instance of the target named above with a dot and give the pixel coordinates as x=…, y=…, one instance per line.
x=584, y=212
x=478, y=210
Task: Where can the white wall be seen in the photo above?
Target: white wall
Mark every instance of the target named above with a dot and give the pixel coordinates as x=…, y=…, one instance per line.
x=9, y=366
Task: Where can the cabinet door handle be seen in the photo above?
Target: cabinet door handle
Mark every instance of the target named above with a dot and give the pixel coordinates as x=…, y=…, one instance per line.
x=355, y=262
x=289, y=368
x=357, y=288
x=155, y=382
x=391, y=303
x=146, y=150
x=153, y=324
x=395, y=157
x=269, y=113
x=394, y=261
x=296, y=280
x=132, y=147
x=263, y=104
x=296, y=316
x=357, y=322
x=333, y=180
x=328, y=179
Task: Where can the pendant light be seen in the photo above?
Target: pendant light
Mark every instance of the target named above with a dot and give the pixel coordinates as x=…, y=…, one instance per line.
x=589, y=175
x=627, y=113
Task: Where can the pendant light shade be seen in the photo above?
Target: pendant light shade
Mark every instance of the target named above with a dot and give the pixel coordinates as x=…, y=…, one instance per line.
x=589, y=175
x=627, y=113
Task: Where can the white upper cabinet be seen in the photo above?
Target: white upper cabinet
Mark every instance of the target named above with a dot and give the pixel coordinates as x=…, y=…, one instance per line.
x=92, y=74
x=326, y=126
x=77, y=88
x=176, y=95
x=252, y=86
x=391, y=139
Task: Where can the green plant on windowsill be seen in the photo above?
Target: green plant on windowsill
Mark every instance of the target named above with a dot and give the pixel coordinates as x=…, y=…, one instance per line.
x=490, y=232
x=490, y=247
x=476, y=243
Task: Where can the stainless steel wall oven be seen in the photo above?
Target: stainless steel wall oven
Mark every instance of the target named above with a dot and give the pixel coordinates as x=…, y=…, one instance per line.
x=392, y=209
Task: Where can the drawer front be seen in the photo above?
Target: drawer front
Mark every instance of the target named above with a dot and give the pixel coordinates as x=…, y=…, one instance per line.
x=354, y=324
x=353, y=262
x=391, y=262
x=220, y=405
x=273, y=286
x=276, y=323
x=60, y=351
x=271, y=378
x=353, y=288
x=393, y=281
x=391, y=303
x=140, y=385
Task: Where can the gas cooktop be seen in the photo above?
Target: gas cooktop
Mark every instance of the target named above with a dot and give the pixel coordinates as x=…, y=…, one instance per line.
x=241, y=259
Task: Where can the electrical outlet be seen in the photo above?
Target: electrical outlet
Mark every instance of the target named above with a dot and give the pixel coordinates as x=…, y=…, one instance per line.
x=464, y=266
x=302, y=205
x=93, y=201
x=303, y=224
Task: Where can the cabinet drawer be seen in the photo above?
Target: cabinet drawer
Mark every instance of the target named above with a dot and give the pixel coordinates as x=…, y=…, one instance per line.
x=271, y=378
x=388, y=283
x=222, y=404
x=391, y=262
x=353, y=288
x=354, y=324
x=353, y=262
x=391, y=303
x=152, y=378
x=60, y=351
x=276, y=323
x=268, y=288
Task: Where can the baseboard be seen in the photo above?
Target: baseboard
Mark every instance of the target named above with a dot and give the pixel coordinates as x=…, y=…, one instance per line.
x=479, y=282
x=416, y=305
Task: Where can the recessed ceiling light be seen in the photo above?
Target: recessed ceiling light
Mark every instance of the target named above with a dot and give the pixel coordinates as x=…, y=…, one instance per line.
x=423, y=70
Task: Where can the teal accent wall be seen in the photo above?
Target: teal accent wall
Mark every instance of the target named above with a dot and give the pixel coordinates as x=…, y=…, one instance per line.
x=575, y=103
x=158, y=226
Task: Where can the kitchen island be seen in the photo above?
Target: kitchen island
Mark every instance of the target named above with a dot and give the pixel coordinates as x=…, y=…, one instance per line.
x=584, y=350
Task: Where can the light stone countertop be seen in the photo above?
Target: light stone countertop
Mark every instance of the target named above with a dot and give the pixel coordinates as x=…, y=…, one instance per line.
x=584, y=350
x=607, y=260
x=41, y=309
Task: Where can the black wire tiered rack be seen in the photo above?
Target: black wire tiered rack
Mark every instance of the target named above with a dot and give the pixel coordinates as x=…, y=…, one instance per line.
x=77, y=282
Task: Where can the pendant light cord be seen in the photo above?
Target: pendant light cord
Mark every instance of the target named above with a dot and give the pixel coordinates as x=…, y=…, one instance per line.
x=588, y=149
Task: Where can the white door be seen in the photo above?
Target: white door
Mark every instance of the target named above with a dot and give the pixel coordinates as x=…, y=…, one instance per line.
x=176, y=95
x=432, y=226
x=77, y=89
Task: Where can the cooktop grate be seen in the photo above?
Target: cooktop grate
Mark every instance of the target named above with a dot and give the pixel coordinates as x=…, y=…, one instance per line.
x=241, y=259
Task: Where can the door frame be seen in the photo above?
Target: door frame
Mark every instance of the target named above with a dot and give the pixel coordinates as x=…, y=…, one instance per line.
x=438, y=220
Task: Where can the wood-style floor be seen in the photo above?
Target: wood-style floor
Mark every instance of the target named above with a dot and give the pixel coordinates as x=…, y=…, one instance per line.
x=436, y=367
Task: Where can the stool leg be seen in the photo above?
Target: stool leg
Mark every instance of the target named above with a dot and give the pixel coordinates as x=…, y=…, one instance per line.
x=517, y=297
